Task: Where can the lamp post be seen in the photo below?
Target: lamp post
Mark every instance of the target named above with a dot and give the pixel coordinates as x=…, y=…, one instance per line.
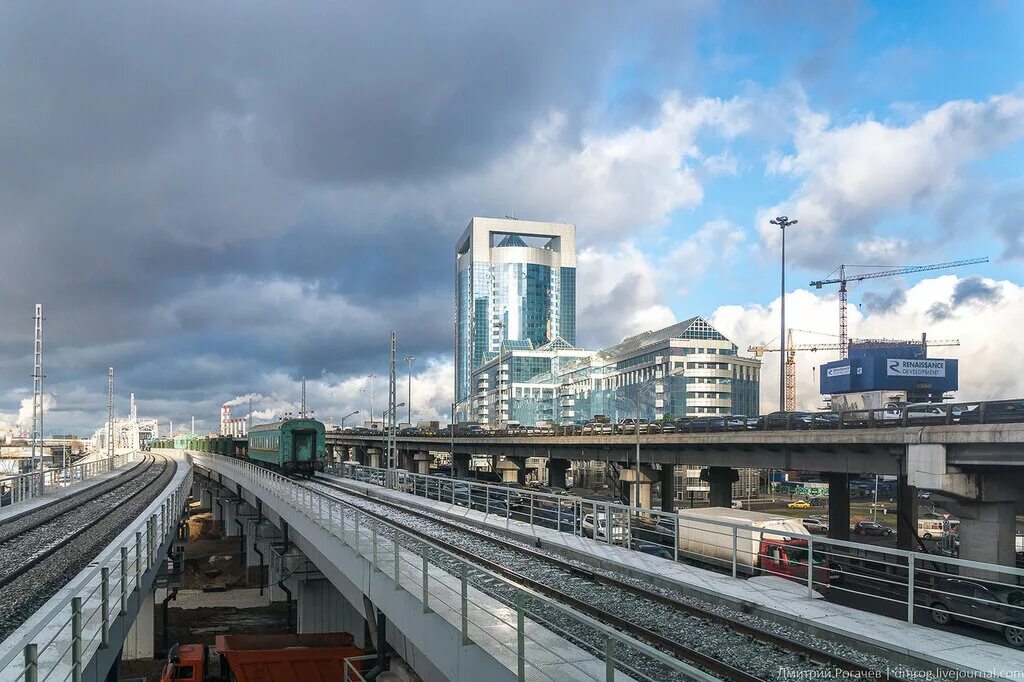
x=409, y=360
x=642, y=388
x=783, y=222
x=350, y=414
x=370, y=377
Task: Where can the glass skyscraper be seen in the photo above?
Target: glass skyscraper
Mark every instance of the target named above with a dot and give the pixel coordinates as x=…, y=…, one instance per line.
x=515, y=281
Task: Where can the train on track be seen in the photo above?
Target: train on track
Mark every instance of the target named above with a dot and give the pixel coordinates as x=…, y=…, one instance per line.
x=291, y=446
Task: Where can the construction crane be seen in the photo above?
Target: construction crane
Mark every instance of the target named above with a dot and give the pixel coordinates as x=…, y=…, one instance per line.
x=905, y=270
x=791, y=350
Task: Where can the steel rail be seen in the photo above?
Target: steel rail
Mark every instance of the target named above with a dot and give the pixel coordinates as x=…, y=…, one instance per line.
x=21, y=569
x=812, y=654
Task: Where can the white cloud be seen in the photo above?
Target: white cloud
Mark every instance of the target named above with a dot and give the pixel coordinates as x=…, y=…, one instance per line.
x=618, y=296
x=883, y=249
x=991, y=364
x=855, y=175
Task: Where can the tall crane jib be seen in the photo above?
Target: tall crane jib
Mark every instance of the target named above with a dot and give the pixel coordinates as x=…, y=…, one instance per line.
x=843, y=279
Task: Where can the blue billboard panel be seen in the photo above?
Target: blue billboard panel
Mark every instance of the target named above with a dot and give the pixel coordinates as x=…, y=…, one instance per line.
x=879, y=372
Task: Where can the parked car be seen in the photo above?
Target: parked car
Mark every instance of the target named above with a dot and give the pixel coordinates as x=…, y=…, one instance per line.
x=708, y=424
x=871, y=528
x=601, y=533
x=782, y=420
x=630, y=426
x=737, y=422
x=815, y=526
x=996, y=607
x=652, y=548
x=995, y=412
x=799, y=504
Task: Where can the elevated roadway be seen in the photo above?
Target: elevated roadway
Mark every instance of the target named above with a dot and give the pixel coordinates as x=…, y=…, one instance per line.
x=979, y=467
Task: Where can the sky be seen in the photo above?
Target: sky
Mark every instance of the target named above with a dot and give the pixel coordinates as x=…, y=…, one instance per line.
x=219, y=199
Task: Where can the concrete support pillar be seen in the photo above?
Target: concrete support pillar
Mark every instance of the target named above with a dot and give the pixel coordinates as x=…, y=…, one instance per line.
x=906, y=515
x=647, y=477
x=139, y=643
x=360, y=455
x=510, y=469
x=838, y=505
x=668, y=488
x=520, y=474
x=460, y=465
x=556, y=472
x=322, y=608
x=373, y=456
x=988, y=532
x=206, y=498
x=409, y=460
x=229, y=527
x=644, y=501
x=721, y=480
x=422, y=461
x=330, y=452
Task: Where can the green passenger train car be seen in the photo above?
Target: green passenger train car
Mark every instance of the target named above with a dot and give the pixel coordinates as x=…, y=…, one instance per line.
x=291, y=446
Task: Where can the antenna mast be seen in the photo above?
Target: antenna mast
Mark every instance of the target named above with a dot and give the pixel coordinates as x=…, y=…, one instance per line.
x=37, y=391
x=110, y=412
x=392, y=455
x=302, y=409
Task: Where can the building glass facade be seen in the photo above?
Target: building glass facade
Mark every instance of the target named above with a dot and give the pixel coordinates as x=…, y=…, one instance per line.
x=516, y=282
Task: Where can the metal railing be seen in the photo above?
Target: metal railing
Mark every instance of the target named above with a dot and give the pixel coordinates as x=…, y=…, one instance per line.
x=59, y=644
x=442, y=581
x=22, y=487
x=913, y=586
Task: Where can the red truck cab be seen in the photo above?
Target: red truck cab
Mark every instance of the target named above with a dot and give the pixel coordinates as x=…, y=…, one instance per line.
x=186, y=662
x=788, y=558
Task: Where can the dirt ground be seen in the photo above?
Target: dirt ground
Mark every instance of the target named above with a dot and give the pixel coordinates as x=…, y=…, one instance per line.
x=211, y=562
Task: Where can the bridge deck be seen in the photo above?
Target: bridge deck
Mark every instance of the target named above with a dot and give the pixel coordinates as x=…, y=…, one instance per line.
x=771, y=596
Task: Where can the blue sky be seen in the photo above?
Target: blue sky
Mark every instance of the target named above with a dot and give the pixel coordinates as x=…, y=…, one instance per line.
x=219, y=199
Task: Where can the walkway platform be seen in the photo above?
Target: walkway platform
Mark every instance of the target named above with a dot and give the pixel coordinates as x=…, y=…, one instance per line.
x=10, y=512
x=772, y=597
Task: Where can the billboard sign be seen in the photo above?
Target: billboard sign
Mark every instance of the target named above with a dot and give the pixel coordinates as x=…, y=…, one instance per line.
x=838, y=371
x=915, y=368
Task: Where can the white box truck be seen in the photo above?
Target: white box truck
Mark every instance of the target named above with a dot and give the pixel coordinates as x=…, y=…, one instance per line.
x=765, y=543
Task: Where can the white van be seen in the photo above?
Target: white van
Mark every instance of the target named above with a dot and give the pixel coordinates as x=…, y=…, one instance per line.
x=935, y=528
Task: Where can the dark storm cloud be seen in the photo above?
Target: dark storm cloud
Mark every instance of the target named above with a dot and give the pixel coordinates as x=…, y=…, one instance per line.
x=974, y=290
x=1007, y=216
x=883, y=303
x=154, y=154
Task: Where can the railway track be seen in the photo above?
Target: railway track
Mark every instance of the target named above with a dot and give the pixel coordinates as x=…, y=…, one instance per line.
x=706, y=637
x=50, y=549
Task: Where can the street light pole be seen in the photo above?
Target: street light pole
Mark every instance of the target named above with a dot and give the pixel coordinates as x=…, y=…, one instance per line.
x=370, y=377
x=783, y=222
x=350, y=414
x=410, y=359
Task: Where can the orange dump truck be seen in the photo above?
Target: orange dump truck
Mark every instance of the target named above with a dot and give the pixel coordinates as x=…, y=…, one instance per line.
x=267, y=658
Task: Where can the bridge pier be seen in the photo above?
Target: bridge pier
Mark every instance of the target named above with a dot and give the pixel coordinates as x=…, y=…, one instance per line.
x=373, y=456
x=512, y=470
x=906, y=515
x=987, y=501
x=359, y=454
x=422, y=460
x=668, y=488
x=460, y=465
x=556, y=472
x=321, y=607
x=721, y=480
x=838, y=504
x=262, y=535
x=139, y=642
x=647, y=477
x=988, y=532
